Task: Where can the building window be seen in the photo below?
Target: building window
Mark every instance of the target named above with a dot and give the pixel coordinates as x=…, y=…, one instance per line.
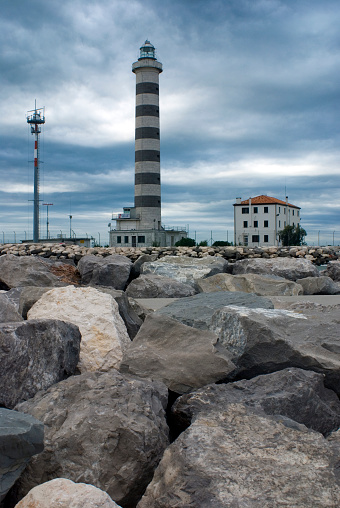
x=293, y=224
x=265, y=210
x=265, y=239
x=265, y=224
x=298, y=213
x=255, y=238
x=256, y=224
x=245, y=210
x=279, y=209
x=126, y=239
x=245, y=240
x=284, y=224
x=255, y=209
x=141, y=239
x=293, y=212
x=245, y=223
x=119, y=239
x=284, y=210
x=279, y=223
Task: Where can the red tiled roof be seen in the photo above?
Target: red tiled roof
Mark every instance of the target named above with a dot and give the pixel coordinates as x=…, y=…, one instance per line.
x=266, y=200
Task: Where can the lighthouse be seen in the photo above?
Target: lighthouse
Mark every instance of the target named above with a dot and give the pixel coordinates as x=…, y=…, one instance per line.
x=141, y=225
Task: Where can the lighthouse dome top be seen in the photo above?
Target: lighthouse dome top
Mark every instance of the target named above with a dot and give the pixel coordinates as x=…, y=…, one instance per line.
x=147, y=50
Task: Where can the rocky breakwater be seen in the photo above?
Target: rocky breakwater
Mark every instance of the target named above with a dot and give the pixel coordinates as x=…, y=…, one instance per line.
x=215, y=399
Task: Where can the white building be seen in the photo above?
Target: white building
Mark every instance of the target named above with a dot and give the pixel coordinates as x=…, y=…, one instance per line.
x=258, y=220
x=140, y=225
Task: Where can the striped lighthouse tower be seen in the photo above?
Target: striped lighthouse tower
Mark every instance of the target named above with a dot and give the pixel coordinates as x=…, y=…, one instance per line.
x=147, y=139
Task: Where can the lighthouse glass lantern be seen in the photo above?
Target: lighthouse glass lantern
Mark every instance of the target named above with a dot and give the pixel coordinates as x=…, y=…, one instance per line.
x=147, y=51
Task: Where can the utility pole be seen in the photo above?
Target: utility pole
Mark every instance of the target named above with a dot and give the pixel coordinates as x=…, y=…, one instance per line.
x=70, y=216
x=47, y=223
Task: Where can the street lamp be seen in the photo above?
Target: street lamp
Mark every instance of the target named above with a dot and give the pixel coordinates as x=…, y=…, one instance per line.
x=70, y=226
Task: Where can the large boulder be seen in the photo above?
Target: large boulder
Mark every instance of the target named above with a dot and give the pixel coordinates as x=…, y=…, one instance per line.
x=137, y=265
x=197, y=310
x=105, y=429
x=35, y=355
x=103, y=333
x=17, y=271
x=186, y=269
x=319, y=286
x=288, y=268
x=8, y=311
x=261, y=285
x=21, y=437
x=113, y=271
x=63, y=493
x=241, y=457
x=333, y=270
x=182, y=357
x=261, y=341
x=295, y=393
x=157, y=286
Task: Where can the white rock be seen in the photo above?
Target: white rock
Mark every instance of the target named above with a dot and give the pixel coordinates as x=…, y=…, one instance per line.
x=104, y=335
x=63, y=493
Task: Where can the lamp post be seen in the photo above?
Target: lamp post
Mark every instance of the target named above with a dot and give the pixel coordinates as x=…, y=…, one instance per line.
x=47, y=223
x=70, y=216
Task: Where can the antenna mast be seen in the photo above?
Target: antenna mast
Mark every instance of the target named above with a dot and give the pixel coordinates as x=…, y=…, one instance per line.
x=36, y=119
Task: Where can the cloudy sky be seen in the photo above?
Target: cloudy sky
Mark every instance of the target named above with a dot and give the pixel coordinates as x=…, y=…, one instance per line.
x=249, y=105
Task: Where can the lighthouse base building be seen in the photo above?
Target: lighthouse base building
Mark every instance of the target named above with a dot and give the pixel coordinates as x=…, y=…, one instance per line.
x=141, y=225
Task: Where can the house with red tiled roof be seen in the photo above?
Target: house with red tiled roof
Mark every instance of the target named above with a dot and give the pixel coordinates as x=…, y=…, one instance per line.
x=258, y=220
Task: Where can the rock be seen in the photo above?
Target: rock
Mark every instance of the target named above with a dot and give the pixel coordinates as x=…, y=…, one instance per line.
x=113, y=271
x=249, y=283
x=295, y=393
x=105, y=429
x=8, y=311
x=63, y=493
x=26, y=271
x=197, y=310
x=333, y=270
x=136, y=267
x=171, y=352
x=157, y=286
x=141, y=310
x=103, y=334
x=185, y=269
x=127, y=313
x=319, y=286
x=28, y=295
x=286, y=267
x=241, y=457
x=21, y=437
x=261, y=341
x=35, y=355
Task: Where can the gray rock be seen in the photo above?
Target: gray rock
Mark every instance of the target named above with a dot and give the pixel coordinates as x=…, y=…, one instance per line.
x=137, y=265
x=29, y=295
x=182, y=357
x=157, y=286
x=261, y=285
x=261, y=341
x=113, y=271
x=197, y=310
x=21, y=437
x=8, y=311
x=186, y=269
x=241, y=457
x=18, y=271
x=35, y=355
x=295, y=393
x=319, y=286
x=288, y=268
x=105, y=429
x=333, y=270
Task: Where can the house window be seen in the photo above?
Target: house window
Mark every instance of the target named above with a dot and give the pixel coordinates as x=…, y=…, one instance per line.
x=119, y=239
x=245, y=223
x=126, y=239
x=141, y=239
x=284, y=224
x=265, y=239
x=255, y=209
x=255, y=238
x=265, y=224
x=256, y=224
x=284, y=210
x=265, y=209
x=298, y=213
x=279, y=209
x=279, y=223
x=245, y=210
x=245, y=240
x=293, y=212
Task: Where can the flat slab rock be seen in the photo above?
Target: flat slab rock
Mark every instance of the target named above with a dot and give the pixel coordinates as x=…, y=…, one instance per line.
x=21, y=437
x=242, y=457
x=18, y=271
x=286, y=267
x=157, y=286
x=104, y=429
x=319, y=286
x=63, y=493
x=295, y=393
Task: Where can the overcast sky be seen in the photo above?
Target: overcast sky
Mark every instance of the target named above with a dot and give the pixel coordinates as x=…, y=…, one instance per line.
x=249, y=105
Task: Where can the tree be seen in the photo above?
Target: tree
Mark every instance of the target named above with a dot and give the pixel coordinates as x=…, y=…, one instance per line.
x=186, y=242
x=203, y=243
x=292, y=235
x=221, y=243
